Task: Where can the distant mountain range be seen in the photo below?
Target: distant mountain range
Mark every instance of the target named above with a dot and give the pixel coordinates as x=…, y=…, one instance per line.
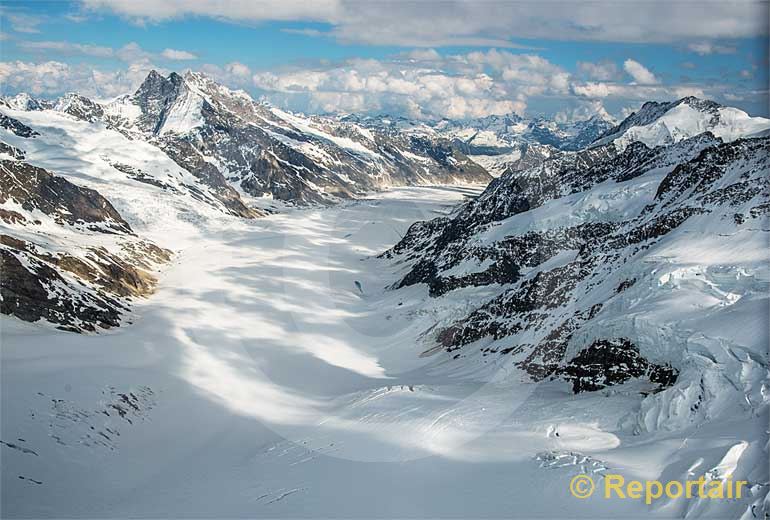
x=192, y=150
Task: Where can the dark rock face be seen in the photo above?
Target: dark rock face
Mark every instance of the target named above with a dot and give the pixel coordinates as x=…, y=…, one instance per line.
x=555, y=282
x=580, y=134
x=16, y=126
x=608, y=362
x=154, y=97
x=14, y=152
x=267, y=153
x=81, y=108
x=79, y=289
x=35, y=188
x=516, y=193
x=25, y=291
x=186, y=156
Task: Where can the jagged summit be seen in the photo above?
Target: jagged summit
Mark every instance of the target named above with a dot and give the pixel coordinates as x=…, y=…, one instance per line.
x=235, y=144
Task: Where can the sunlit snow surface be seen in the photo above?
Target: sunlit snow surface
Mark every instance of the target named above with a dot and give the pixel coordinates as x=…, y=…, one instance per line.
x=265, y=383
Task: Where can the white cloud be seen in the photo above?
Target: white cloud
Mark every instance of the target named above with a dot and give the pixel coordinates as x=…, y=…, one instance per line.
x=51, y=78
x=131, y=52
x=39, y=78
x=466, y=22
x=583, y=110
x=174, y=54
x=238, y=69
x=421, y=83
x=706, y=47
x=23, y=23
x=640, y=73
x=684, y=91
x=233, y=74
x=593, y=89
x=66, y=48
x=603, y=71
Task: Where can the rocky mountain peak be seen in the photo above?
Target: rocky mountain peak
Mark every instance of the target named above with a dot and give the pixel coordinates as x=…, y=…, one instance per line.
x=703, y=105
x=657, y=123
x=80, y=107
x=154, y=96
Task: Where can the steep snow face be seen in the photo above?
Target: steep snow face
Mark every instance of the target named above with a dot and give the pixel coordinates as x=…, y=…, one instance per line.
x=150, y=190
x=24, y=101
x=665, y=123
x=184, y=115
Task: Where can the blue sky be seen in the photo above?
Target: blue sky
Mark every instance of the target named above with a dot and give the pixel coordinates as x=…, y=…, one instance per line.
x=420, y=59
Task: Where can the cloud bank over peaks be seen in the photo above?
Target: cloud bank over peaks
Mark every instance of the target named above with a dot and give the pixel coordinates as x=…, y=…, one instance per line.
x=420, y=83
x=434, y=23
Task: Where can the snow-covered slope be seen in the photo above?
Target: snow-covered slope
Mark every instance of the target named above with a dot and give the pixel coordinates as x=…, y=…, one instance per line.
x=498, y=134
x=261, y=382
x=87, y=217
x=665, y=123
x=217, y=133
x=595, y=310
x=649, y=263
x=67, y=256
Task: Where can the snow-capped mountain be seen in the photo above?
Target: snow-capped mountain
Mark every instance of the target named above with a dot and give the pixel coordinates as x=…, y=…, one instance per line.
x=178, y=149
x=665, y=123
x=67, y=256
x=499, y=134
x=499, y=142
x=231, y=142
x=653, y=124
x=634, y=276
x=502, y=142
x=613, y=264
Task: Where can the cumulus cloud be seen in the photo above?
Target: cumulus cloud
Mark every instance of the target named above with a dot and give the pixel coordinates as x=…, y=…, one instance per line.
x=39, y=78
x=51, y=78
x=465, y=22
x=604, y=71
x=593, y=89
x=233, y=74
x=421, y=83
x=174, y=54
x=639, y=73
